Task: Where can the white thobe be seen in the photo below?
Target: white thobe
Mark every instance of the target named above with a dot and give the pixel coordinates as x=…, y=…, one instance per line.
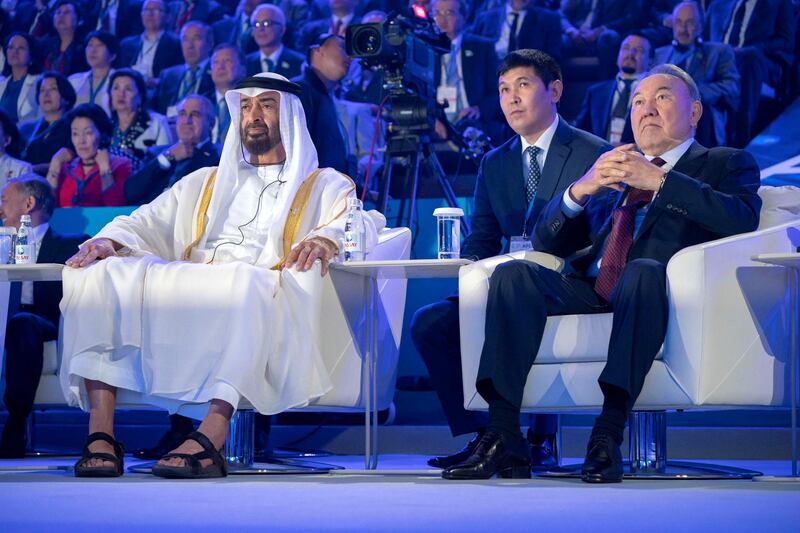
x=178, y=334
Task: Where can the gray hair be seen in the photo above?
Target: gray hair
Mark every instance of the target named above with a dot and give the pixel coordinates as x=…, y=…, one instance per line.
x=31, y=184
x=677, y=72
x=209, y=109
x=697, y=7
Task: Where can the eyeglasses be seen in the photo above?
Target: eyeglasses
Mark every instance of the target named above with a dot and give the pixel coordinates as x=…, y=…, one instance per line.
x=266, y=23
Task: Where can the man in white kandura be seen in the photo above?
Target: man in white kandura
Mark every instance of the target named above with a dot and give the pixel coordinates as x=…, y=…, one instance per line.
x=195, y=304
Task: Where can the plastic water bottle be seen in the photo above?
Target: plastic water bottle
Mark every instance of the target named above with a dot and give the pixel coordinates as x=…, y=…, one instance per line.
x=26, y=244
x=354, y=231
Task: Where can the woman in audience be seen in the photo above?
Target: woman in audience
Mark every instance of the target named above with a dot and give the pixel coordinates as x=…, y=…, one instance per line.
x=91, y=86
x=86, y=174
x=135, y=129
x=9, y=145
x=17, y=94
x=43, y=137
x=65, y=52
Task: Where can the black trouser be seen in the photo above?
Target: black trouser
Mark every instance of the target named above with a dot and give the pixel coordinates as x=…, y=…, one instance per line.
x=435, y=332
x=521, y=297
x=26, y=334
x=754, y=69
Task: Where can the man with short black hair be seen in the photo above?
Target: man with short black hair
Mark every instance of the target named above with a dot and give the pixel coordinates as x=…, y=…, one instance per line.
x=193, y=76
x=33, y=310
x=514, y=183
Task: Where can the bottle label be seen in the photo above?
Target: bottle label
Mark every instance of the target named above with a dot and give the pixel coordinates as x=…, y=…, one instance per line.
x=352, y=242
x=23, y=254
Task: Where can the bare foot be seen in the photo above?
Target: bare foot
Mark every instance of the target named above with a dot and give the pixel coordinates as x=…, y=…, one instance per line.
x=190, y=447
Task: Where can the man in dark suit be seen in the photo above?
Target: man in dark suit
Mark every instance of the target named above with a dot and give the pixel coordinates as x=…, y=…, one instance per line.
x=596, y=28
x=180, y=12
x=193, y=76
x=153, y=50
x=711, y=65
x=606, y=107
x=511, y=189
x=269, y=27
x=238, y=30
x=762, y=34
x=342, y=14
x=466, y=76
x=628, y=215
x=192, y=151
x=519, y=25
x=118, y=17
x=328, y=64
x=33, y=310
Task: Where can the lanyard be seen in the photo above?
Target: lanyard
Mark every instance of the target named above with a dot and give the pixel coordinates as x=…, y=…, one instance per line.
x=92, y=91
x=528, y=214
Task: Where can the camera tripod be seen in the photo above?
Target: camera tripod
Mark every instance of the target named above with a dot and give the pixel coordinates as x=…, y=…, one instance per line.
x=413, y=151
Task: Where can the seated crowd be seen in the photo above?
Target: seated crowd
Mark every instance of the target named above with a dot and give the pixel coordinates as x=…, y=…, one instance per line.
x=105, y=132
x=138, y=60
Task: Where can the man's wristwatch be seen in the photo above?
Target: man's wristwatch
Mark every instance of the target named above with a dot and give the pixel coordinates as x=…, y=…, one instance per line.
x=170, y=157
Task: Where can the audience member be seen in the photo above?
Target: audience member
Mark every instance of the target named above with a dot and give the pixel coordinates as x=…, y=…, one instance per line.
x=238, y=29
x=597, y=28
x=711, y=65
x=514, y=184
x=10, y=167
x=342, y=14
x=64, y=51
x=135, y=128
x=90, y=86
x=656, y=23
x=327, y=65
x=193, y=150
x=33, y=307
x=17, y=94
x=86, y=174
x=606, y=107
x=269, y=27
x=153, y=50
x=117, y=17
x=517, y=25
x=182, y=12
x=193, y=76
x=227, y=68
x=762, y=34
x=467, y=78
x=43, y=137
x=33, y=17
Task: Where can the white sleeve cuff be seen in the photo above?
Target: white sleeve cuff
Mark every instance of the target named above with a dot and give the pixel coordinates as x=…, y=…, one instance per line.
x=570, y=207
x=163, y=162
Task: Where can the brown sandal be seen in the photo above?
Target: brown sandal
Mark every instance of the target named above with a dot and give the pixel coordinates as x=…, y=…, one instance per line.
x=192, y=469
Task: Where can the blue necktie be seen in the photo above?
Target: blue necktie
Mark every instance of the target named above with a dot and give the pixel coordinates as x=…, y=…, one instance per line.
x=534, y=173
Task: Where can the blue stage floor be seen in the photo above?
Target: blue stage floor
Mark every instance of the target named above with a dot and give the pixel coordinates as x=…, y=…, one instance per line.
x=390, y=501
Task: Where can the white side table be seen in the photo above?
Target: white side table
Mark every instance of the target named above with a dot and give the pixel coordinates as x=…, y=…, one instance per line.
x=372, y=272
x=791, y=262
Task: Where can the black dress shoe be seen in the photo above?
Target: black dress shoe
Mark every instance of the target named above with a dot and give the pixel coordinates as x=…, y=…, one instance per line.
x=603, y=463
x=543, y=451
x=496, y=453
x=168, y=442
x=446, y=461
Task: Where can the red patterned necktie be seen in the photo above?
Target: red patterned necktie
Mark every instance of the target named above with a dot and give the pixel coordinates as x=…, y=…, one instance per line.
x=615, y=255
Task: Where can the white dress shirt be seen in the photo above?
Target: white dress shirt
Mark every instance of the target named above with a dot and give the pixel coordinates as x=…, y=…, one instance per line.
x=501, y=46
x=147, y=54
x=543, y=143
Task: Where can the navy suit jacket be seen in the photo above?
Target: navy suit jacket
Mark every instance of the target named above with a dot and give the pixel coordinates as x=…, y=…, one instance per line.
x=228, y=30
x=205, y=11
x=622, y=16
x=500, y=204
x=540, y=29
x=169, y=83
x=128, y=21
x=322, y=120
x=595, y=114
x=709, y=194
x=168, y=51
x=771, y=28
x=55, y=248
x=289, y=63
x=313, y=29
x=145, y=185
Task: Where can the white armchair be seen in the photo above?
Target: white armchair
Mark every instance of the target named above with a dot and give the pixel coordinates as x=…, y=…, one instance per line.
x=343, y=338
x=726, y=343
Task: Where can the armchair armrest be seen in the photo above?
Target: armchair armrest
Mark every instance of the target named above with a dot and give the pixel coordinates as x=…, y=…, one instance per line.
x=473, y=290
x=727, y=337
